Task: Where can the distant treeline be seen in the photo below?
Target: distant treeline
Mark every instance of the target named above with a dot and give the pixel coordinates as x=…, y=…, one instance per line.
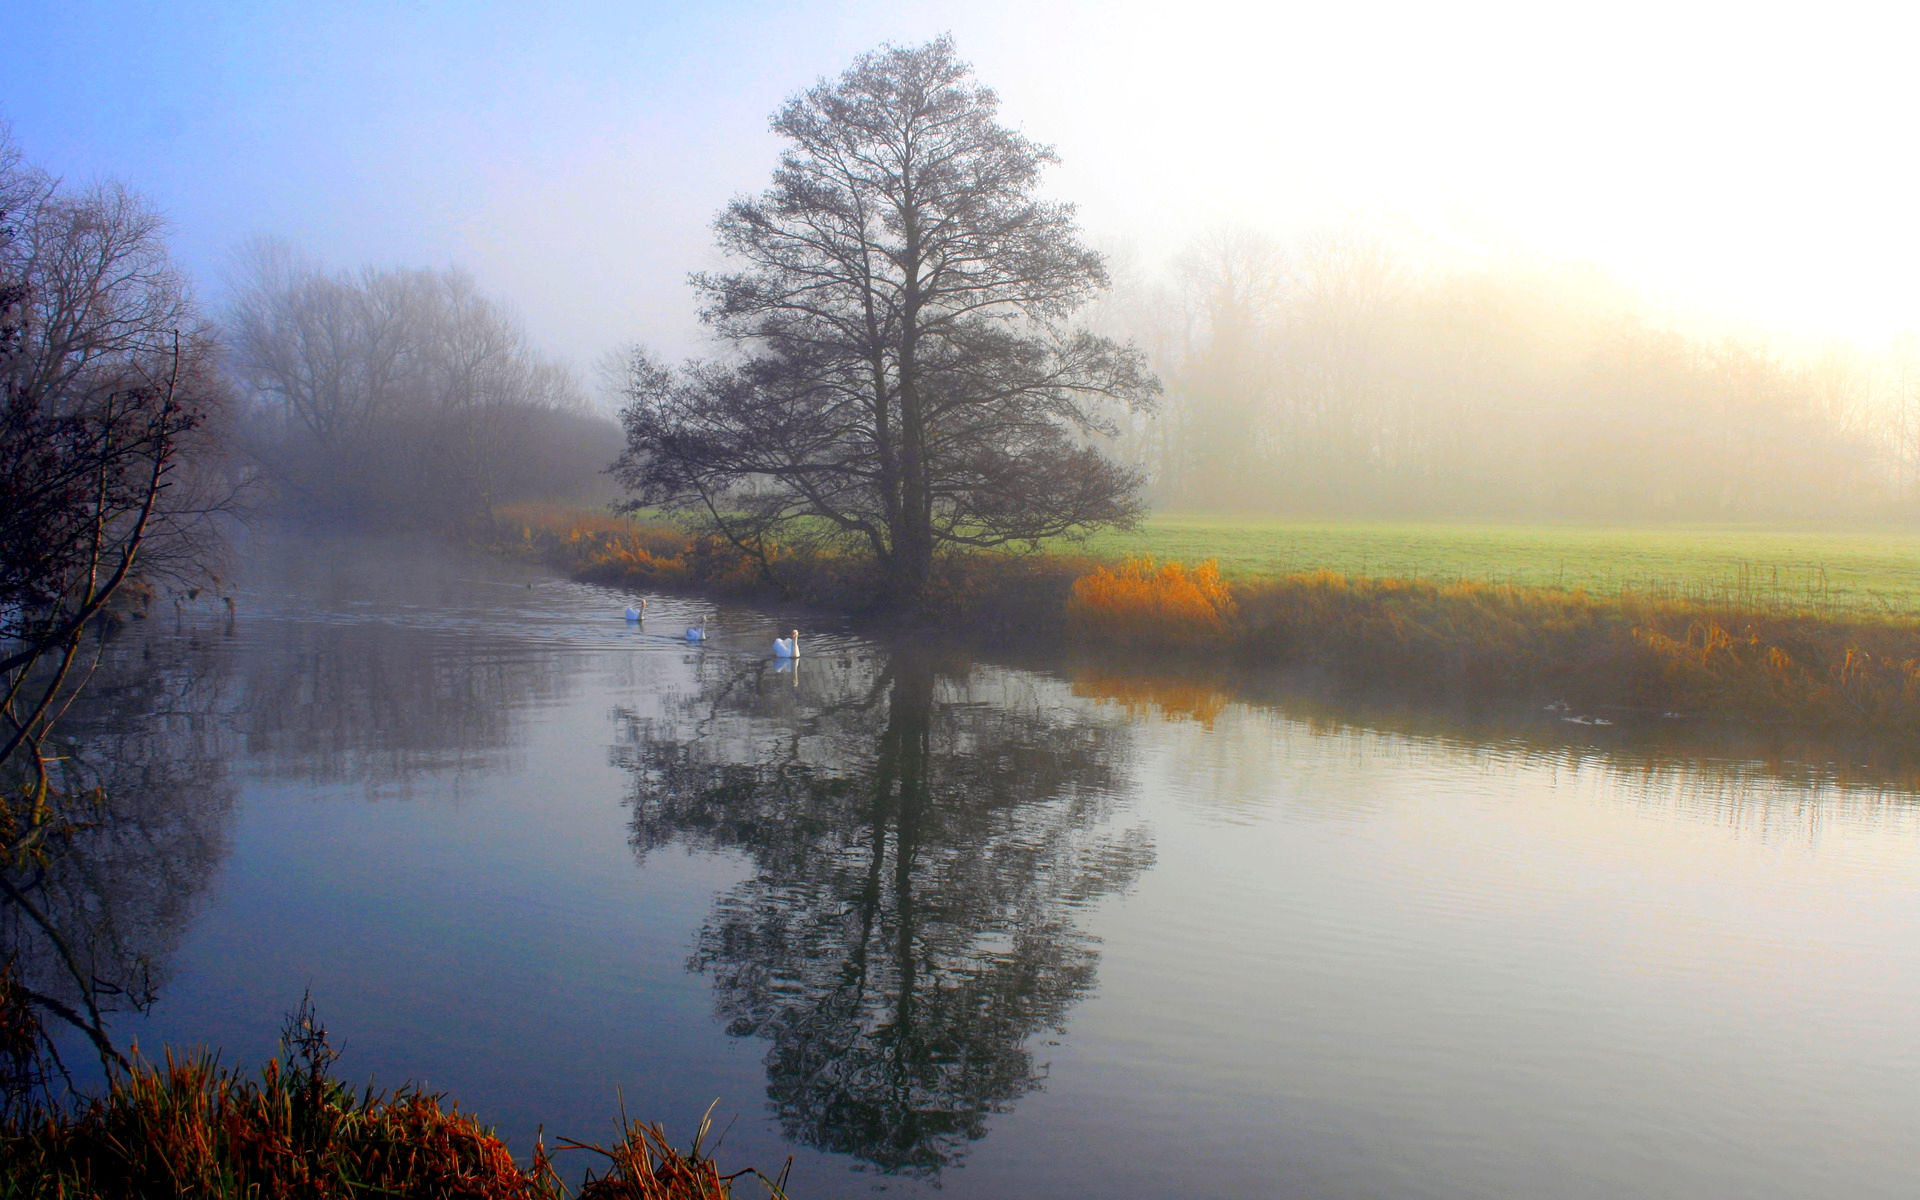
x=403, y=397
x=1332, y=377
x=386, y=397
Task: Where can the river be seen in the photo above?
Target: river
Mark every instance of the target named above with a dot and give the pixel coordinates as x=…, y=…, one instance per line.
x=924, y=921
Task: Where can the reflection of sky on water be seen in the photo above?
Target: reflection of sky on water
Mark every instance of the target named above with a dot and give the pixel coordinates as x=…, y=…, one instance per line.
x=1009, y=931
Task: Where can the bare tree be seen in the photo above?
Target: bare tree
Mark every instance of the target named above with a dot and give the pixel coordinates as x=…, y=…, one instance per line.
x=327, y=349
x=107, y=395
x=1234, y=284
x=905, y=377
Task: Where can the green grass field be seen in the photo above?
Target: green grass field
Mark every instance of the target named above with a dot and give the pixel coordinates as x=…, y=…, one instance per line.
x=1858, y=572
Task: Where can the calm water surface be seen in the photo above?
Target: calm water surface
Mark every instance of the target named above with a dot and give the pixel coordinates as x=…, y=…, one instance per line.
x=930, y=923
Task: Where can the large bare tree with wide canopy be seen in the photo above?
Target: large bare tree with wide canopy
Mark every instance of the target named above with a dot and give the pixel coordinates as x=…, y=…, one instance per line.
x=904, y=377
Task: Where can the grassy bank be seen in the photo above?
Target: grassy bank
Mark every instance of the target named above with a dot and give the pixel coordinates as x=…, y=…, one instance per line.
x=1623, y=654
x=192, y=1128
x=997, y=598
x=1695, y=647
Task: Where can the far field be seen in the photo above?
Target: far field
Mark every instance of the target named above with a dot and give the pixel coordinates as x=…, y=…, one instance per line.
x=1858, y=571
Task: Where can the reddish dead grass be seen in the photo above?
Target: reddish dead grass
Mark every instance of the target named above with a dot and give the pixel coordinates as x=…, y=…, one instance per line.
x=191, y=1128
x=601, y=547
x=1632, y=653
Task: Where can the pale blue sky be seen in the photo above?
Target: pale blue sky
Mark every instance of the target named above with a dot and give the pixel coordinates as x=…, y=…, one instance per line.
x=1736, y=159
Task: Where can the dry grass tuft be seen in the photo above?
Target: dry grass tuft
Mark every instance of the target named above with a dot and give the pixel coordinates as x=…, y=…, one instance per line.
x=643, y=1165
x=192, y=1128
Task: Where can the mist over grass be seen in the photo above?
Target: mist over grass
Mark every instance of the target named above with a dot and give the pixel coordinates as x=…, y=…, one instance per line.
x=1341, y=375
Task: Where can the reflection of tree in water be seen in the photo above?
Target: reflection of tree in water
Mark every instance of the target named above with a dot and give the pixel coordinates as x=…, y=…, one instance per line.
x=921, y=847
x=153, y=733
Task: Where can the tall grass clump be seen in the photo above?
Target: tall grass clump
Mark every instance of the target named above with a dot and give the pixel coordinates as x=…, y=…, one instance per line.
x=190, y=1127
x=1141, y=605
x=643, y=1165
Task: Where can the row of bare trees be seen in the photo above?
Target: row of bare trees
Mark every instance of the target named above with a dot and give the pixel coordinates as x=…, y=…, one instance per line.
x=403, y=396
x=1331, y=376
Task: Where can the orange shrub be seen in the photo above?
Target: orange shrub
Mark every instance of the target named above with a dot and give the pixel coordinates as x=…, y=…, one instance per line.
x=1141, y=605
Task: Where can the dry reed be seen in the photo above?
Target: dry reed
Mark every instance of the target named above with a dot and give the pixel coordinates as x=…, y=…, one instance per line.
x=643, y=1165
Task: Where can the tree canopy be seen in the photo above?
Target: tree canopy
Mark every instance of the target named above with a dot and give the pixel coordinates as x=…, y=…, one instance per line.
x=904, y=376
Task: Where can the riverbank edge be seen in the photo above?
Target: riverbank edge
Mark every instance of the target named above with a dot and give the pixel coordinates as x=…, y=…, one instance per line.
x=190, y=1127
x=1627, y=656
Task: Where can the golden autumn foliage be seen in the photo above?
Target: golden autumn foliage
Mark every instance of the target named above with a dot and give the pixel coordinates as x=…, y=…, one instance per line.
x=1140, y=604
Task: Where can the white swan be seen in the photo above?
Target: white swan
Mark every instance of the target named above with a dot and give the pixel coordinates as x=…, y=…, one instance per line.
x=787, y=647
x=637, y=614
x=697, y=633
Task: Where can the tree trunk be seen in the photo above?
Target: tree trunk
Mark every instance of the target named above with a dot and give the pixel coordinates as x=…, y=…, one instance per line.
x=910, y=565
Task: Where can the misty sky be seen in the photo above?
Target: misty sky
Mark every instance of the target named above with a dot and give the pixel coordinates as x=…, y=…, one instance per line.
x=1740, y=160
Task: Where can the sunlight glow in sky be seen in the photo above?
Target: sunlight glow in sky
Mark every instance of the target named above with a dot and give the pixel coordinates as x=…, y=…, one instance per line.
x=1739, y=161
